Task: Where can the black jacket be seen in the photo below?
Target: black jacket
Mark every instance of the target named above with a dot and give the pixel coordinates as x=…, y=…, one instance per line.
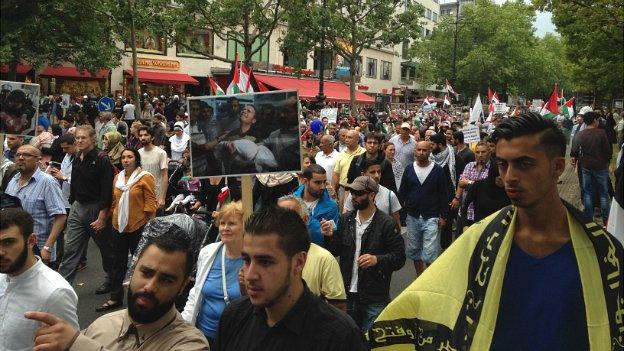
x=387, y=174
x=382, y=239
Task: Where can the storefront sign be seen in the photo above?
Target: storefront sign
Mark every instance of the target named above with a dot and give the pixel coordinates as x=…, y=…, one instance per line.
x=152, y=63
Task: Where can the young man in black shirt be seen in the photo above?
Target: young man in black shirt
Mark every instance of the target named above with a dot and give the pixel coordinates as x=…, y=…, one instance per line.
x=280, y=312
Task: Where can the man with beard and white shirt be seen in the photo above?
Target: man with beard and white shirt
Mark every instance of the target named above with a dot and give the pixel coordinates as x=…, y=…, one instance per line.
x=154, y=161
x=151, y=321
x=26, y=284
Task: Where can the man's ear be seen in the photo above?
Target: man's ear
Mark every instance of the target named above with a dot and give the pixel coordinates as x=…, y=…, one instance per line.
x=559, y=164
x=32, y=240
x=298, y=262
x=184, y=284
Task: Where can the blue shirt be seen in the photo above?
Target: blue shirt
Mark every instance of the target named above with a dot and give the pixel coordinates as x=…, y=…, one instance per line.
x=541, y=305
x=212, y=293
x=41, y=196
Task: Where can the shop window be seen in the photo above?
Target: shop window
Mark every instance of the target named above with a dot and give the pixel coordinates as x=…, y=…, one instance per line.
x=356, y=69
x=234, y=46
x=386, y=70
x=371, y=67
x=202, y=41
x=149, y=43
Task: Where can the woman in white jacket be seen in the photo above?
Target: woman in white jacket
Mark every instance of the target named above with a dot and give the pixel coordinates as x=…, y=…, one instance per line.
x=213, y=290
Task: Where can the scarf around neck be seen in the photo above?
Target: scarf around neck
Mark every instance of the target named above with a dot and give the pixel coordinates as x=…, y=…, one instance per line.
x=444, y=157
x=124, y=201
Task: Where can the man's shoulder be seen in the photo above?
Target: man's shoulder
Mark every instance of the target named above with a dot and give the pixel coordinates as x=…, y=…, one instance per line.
x=329, y=319
x=53, y=282
x=237, y=311
x=108, y=320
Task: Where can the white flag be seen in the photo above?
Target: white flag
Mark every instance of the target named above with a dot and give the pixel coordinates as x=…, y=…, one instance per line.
x=477, y=110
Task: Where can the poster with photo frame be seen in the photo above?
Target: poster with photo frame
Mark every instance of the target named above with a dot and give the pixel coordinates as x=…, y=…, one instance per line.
x=19, y=107
x=244, y=134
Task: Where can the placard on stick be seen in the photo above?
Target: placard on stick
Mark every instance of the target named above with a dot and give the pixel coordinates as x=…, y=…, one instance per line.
x=471, y=134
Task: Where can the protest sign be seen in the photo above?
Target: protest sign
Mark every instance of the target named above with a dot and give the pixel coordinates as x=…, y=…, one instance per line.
x=330, y=113
x=244, y=134
x=500, y=107
x=19, y=107
x=65, y=101
x=471, y=134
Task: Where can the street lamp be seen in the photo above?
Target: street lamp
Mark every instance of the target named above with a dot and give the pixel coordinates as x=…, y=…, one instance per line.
x=320, y=98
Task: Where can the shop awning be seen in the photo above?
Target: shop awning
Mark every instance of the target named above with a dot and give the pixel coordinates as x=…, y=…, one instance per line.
x=21, y=69
x=308, y=88
x=71, y=72
x=163, y=77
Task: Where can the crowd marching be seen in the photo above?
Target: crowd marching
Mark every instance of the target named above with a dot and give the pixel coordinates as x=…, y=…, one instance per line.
x=311, y=268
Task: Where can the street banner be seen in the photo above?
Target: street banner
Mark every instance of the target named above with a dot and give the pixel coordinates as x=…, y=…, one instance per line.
x=244, y=134
x=500, y=107
x=330, y=113
x=471, y=134
x=19, y=107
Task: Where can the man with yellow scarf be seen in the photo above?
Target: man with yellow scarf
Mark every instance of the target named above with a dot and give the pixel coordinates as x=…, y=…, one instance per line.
x=536, y=275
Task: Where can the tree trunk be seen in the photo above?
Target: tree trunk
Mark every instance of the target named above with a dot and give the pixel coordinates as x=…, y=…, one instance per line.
x=352, y=86
x=135, y=69
x=12, y=75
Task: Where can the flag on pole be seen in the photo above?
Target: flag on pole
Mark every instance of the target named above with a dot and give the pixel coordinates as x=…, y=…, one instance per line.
x=446, y=100
x=493, y=99
x=551, y=107
x=234, y=87
x=216, y=89
x=450, y=89
x=568, y=108
x=477, y=111
x=245, y=80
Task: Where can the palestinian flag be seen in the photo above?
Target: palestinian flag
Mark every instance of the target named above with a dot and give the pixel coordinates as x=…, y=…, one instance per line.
x=450, y=89
x=568, y=108
x=446, y=100
x=551, y=107
x=245, y=79
x=234, y=87
x=216, y=89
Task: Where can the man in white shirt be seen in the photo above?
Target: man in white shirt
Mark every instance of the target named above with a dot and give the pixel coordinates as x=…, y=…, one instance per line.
x=154, y=161
x=129, y=111
x=404, y=145
x=26, y=284
x=328, y=156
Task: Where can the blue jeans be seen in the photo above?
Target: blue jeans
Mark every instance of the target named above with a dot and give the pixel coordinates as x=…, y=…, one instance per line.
x=364, y=314
x=601, y=179
x=422, y=239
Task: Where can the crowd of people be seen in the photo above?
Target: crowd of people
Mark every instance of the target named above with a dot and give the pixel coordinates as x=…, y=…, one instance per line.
x=312, y=266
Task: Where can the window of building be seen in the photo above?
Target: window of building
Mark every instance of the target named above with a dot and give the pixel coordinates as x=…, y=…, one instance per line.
x=371, y=67
x=428, y=14
x=327, y=65
x=386, y=70
x=434, y=17
x=202, y=41
x=408, y=71
x=357, y=70
x=151, y=43
x=234, y=46
x=405, y=49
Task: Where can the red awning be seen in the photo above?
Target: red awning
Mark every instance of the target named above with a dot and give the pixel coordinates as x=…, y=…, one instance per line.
x=164, y=77
x=21, y=69
x=308, y=88
x=72, y=72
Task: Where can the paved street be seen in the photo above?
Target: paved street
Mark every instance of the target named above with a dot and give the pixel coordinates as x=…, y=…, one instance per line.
x=89, y=279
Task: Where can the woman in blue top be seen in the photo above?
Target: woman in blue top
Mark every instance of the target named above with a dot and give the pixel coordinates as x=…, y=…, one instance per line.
x=216, y=282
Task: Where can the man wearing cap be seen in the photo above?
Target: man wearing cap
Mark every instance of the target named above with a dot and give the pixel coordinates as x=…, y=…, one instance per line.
x=404, y=145
x=370, y=247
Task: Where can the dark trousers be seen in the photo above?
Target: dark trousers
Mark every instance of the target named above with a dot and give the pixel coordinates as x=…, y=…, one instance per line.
x=446, y=233
x=363, y=313
x=122, y=243
x=77, y=236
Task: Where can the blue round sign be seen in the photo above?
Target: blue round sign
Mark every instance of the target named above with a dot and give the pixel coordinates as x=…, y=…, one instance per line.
x=106, y=104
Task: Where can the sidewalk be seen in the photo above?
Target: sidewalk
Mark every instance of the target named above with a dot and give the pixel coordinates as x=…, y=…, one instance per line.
x=569, y=189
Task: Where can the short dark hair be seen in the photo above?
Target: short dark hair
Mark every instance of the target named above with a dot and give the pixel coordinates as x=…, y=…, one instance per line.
x=287, y=224
x=368, y=162
x=175, y=239
x=438, y=138
x=17, y=217
x=590, y=117
x=67, y=139
x=308, y=173
x=147, y=129
x=551, y=138
x=459, y=136
x=374, y=135
x=137, y=155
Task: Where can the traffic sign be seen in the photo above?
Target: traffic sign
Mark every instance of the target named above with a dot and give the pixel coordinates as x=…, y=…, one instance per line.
x=106, y=104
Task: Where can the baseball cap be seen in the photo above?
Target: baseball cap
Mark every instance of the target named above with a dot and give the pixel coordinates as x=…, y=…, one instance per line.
x=405, y=125
x=363, y=183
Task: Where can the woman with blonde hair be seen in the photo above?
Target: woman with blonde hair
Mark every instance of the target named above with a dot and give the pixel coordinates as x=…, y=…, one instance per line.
x=216, y=282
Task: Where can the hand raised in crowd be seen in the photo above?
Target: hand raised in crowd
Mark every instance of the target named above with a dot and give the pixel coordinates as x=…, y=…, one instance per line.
x=327, y=227
x=366, y=261
x=54, y=334
x=56, y=173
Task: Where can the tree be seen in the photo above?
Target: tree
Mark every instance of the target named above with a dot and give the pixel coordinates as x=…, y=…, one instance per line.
x=350, y=26
x=249, y=23
x=41, y=32
x=594, y=35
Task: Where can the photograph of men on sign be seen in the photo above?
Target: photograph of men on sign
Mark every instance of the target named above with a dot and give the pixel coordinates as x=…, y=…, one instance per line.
x=18, y=107
x=244, y=134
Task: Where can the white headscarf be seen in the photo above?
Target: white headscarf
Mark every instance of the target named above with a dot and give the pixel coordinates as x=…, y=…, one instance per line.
x=179, y=143
x=124, y=201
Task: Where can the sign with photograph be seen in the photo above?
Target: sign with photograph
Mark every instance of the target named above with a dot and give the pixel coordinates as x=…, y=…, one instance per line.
x=330, y=113
x=19, y=107
x=244, y=134
x=65, y=99
x=471, y=134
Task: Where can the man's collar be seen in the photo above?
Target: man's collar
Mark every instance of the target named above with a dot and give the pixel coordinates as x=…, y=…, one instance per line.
x=145, y=331
x=295, y=318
